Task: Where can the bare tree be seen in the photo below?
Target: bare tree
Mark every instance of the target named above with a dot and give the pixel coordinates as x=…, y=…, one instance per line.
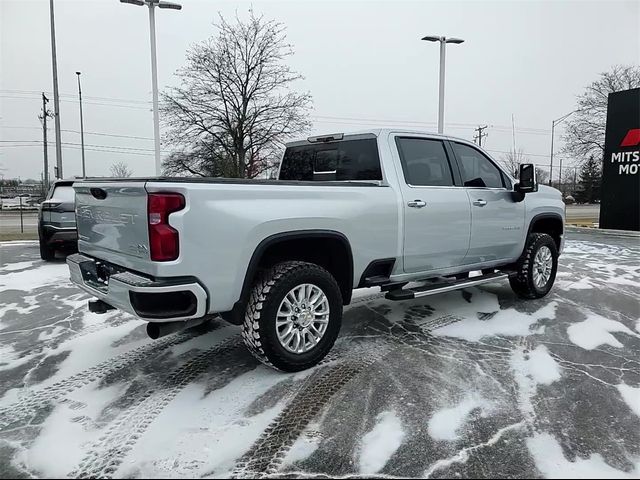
x=584, y=135
x=234, y=107
x=120, y=170
x=512, y=160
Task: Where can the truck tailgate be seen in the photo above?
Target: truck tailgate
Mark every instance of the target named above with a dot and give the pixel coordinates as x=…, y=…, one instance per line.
x=112, y=222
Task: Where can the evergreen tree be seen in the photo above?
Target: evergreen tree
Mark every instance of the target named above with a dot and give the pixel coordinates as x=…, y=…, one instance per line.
x=590, y=179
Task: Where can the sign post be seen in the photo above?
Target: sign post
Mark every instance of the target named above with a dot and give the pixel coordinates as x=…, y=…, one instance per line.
x=620, y=191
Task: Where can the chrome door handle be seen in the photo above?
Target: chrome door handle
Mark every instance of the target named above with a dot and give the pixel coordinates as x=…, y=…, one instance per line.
x=417, y=204
x=480, y=203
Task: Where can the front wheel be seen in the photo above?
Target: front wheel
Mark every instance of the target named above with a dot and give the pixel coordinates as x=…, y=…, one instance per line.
x=293, y=316
x=536, y=268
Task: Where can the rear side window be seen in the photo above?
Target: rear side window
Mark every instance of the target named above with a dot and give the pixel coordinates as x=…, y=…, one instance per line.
x=425, y=162
x=346, y=160
x=64, y=194
x=476, y=169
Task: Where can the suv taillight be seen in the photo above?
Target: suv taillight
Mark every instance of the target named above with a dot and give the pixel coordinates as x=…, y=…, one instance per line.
x=164, y=240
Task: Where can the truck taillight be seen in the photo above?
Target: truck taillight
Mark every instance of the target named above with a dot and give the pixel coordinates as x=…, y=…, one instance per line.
x=164, y=241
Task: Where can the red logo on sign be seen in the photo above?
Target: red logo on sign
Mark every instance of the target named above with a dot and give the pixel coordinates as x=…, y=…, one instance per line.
x=632, y=138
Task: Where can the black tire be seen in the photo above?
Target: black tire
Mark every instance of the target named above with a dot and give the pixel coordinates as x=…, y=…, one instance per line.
x=259, y=328
x=47, y=253
x=523, y=283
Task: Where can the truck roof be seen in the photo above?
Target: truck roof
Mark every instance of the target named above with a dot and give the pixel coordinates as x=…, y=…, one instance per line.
x=377, y=132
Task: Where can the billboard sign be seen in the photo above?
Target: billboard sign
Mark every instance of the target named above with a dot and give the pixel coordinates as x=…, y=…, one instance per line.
x=620, y=191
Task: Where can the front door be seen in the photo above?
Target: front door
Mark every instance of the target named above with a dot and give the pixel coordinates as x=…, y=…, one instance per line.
x=437, y=214
x=497, y=219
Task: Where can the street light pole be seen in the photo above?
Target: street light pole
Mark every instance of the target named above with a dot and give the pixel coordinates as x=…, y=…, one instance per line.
x=443, y=41
x=84, y=172
x=553, y=127
x=154, y=68
x=56, y=99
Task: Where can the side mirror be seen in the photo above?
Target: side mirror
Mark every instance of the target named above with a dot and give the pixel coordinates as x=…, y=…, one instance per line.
x=527, y=179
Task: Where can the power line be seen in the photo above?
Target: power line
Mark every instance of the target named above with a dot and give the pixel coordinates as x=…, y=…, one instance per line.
x=86, y=133
x=85, y=103
x=72, y=95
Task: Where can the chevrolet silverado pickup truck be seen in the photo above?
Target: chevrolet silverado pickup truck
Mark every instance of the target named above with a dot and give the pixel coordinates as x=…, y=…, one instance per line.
x=412, y=213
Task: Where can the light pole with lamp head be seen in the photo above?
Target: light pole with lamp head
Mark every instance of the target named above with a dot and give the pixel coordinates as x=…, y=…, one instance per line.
x=443, y=41
x=154, y=67
x=84, y=172
x=553, y=127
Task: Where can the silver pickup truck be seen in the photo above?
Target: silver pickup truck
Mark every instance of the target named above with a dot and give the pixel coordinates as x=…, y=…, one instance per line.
x=412, y=213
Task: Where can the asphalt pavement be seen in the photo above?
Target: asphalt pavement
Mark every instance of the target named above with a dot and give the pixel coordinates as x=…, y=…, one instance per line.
x=10, y=221
x=475, y=383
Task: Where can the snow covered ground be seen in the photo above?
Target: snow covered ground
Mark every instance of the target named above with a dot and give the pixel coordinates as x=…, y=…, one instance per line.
x=470, y=384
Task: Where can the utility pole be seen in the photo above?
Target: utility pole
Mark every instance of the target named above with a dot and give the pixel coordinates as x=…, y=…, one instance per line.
x=84, y=172
x=43, y=116
x=480, y=134
x=56, y=99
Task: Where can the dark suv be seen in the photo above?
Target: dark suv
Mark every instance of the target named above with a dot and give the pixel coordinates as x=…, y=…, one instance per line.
x=57, y=220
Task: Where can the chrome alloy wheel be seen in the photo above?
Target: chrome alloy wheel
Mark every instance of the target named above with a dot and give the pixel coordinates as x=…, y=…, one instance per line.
x=302, y=319
x=542, y=266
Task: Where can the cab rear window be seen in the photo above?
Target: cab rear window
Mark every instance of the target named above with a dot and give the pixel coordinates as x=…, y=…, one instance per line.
x=345, y=160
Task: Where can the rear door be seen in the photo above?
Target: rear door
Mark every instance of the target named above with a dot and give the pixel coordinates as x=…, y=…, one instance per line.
x=497, y=219
x=437, y=217
x=112, y=222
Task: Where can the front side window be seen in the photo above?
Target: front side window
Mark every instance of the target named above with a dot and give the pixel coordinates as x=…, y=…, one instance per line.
x=476, y=169
x=425, y=162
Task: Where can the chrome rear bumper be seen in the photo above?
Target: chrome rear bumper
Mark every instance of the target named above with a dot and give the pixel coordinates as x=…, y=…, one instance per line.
x=153, y=300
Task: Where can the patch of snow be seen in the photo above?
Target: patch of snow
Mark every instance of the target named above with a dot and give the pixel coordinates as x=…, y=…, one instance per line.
x=10, y=267
x=638, y=325
x=86, y=351
x=508, y=322
x=549, y=459
x=631, y=396
x=198, y=435
x=59, y=447
x=529, y=370
x=594, y=331
x=203, y=342
x=27, y=280
x=381, y=443
x=541, y=366
x=446, y=424
x=582, y=284
x=623, y=280
x=304, y=446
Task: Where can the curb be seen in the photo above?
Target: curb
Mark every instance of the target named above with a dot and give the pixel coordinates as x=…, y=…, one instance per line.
x=603, y=231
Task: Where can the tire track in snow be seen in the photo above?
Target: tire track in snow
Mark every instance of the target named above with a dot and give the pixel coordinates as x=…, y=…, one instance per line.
x=105, y=456
x=33, y=401
x=267, y=453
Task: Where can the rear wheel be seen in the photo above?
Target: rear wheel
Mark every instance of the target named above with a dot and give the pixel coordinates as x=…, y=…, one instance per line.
x=536, y=268
x=46, y=252
x=293, y=316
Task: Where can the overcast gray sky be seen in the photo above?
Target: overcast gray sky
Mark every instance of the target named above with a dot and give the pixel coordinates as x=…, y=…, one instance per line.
x=363, y=63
